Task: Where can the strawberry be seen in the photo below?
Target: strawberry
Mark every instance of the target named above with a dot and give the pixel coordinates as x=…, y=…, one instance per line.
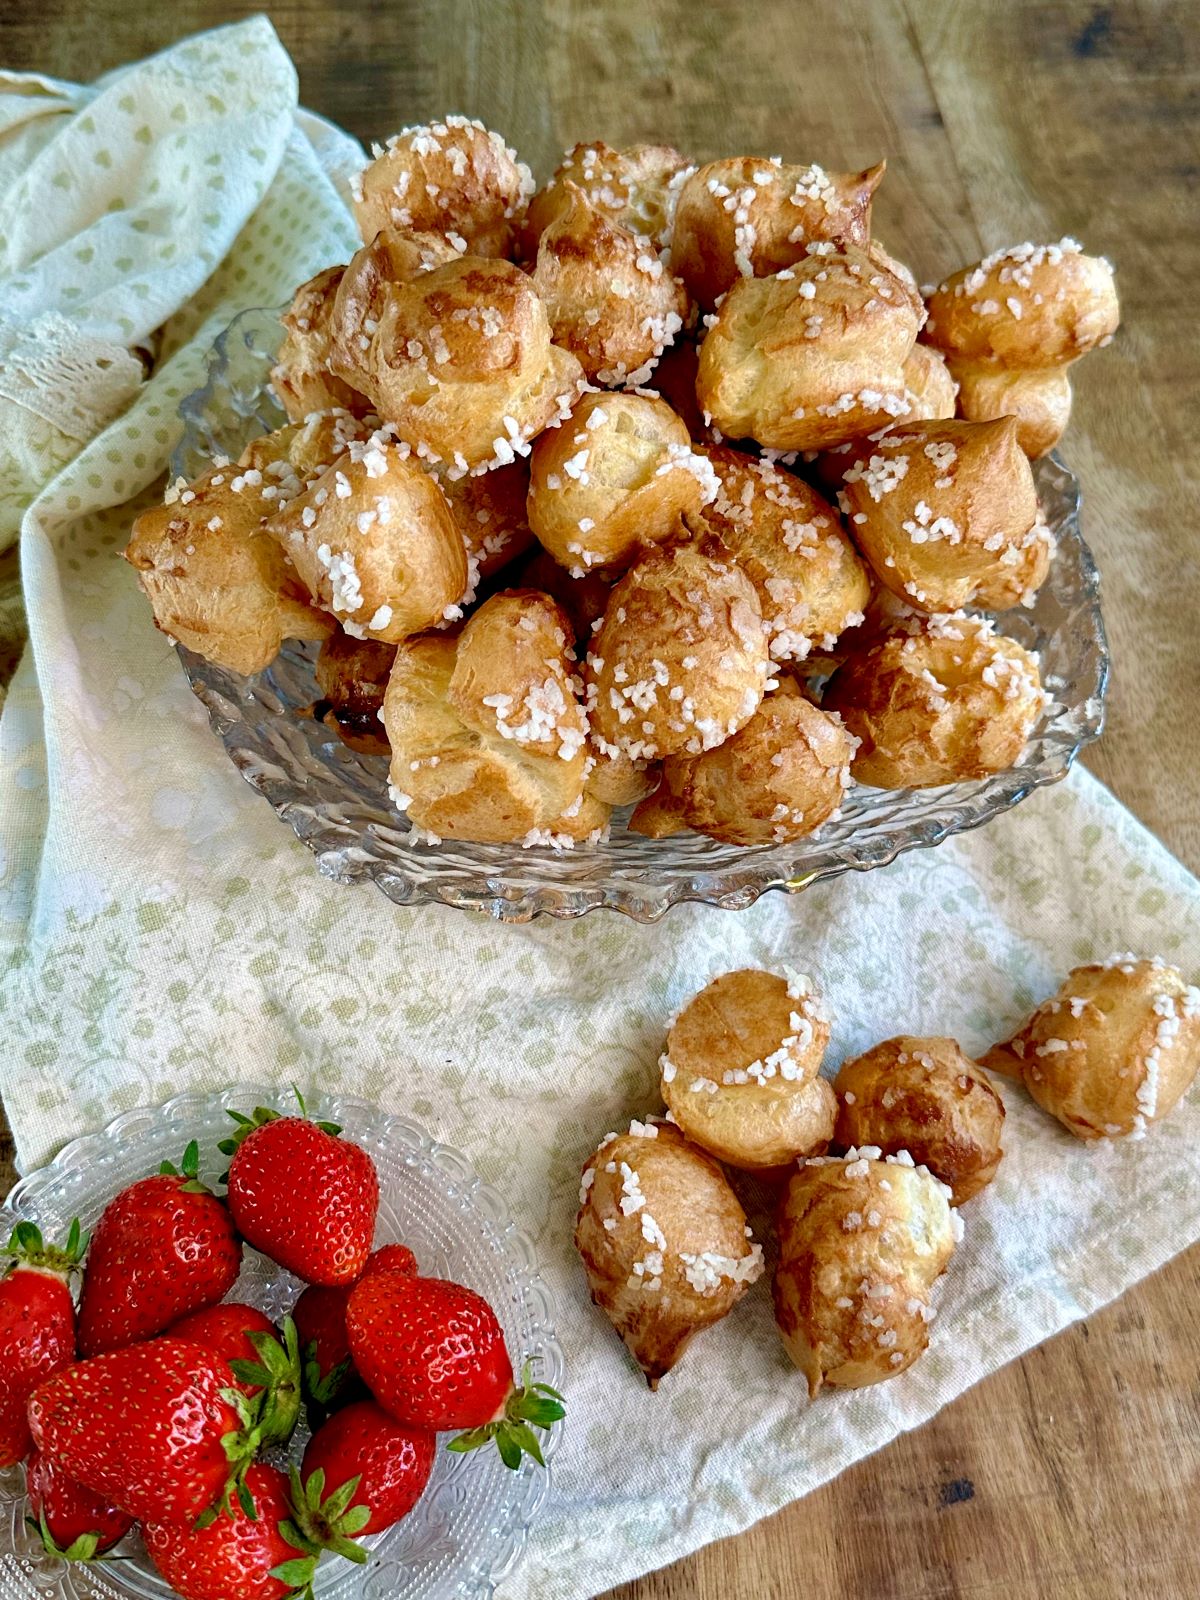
x=301, y=1195
x=158, y=1429
x=37, y=1326
x=391, y=1258
x=263, y=1363
x=432, y=1353
x=320, y=1316
x=73, y=1522
x=386, y=1463
x=164, y=1247
x=236, y=1557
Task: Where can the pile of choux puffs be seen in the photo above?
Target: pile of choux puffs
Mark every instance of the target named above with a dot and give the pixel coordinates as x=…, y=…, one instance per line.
x=661, y=486
x=868, y=1169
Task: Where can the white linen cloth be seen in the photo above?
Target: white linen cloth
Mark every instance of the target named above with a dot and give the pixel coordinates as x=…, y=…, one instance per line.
x=161, y=928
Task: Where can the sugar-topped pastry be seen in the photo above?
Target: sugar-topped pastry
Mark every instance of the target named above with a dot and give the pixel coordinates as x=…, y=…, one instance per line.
x=301, y=376
x=679, y=662
x=1010, y=327
x=929, y=386
x=937, y=700
x=352, y=675
x=216, y=581
x=745, y=216
x=618, y=475
x=489, y=508
x=790, y=544
x=463, y=365
x=635, y=188
x=374, y=542
x=740, y=1070
x=1031, y=306
x=610, y=300
x=1039, y=400
x=1113, y=1051
x=663, y=1240
x=488, y=739
x=811, y=356
x=947, y=514
x=777, y=780
x=454, y=177
x=862, y=1241
x=394, y=255
x=924, y=1096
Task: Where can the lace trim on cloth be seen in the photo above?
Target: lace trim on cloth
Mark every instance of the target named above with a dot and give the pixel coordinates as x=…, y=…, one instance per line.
x=71, y=379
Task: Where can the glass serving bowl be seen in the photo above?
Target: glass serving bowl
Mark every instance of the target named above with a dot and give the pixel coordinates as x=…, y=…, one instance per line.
x=469, y=1529
x=336, y=799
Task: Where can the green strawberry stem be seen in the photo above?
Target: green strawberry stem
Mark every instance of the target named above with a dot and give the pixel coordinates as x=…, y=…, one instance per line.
x=322, y=1388
x=189, y=1168
x=27, y=1248
x=532, y=1405
x=262, y=1115
x=82, y=1548
x=318, y=1524
x=241, y=1446
x=277, y=1373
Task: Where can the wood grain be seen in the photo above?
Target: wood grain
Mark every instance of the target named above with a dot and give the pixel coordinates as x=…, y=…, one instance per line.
x=1071, y=1473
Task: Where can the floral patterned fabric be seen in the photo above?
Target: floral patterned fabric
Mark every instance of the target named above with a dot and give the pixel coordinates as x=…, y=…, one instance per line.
x=161, y=928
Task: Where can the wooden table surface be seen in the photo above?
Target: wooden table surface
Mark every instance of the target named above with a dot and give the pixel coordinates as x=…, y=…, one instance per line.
x=1073, y=1472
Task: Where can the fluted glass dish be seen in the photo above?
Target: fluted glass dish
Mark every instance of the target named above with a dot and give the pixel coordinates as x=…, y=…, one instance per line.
x=469, y=1529
x=336, y=800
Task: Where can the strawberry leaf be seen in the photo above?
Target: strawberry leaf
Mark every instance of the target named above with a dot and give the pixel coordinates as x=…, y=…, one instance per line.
x=323, y=1387
x=356, y=1519
x=81, y=1549
x=335, y=1508
x=473, y=1439
x=525, y=1440
x=26, y=1247
x=528, y=1407
x=297, y=1574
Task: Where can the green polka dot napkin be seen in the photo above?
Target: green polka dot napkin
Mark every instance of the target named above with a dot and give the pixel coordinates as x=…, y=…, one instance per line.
x=161, y=928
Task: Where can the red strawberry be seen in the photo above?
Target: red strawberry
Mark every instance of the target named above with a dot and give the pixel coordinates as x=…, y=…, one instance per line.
x=320, y=1316
x=158, y=1429
x=391, y=1258
x=263, y=1362
x=302, y=1196
x=37, y=1327
x=386, y=1463
x=74, y=1523
x=235, y=1557
x=164, y=1247
x=432, y=1353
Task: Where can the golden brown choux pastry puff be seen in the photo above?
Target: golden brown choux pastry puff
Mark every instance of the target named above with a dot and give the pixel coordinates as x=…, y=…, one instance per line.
x=937, y=700
x=663, y=1240
x=924, y=1096
x=1010, y=327
x=862, y=1240
x=216, y=581
x=489, y=741
x=1113, y=1051
x=740, y=1072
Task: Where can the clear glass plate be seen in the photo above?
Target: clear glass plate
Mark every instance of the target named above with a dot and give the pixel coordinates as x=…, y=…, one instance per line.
x=469, y=1529
x=336, y=800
